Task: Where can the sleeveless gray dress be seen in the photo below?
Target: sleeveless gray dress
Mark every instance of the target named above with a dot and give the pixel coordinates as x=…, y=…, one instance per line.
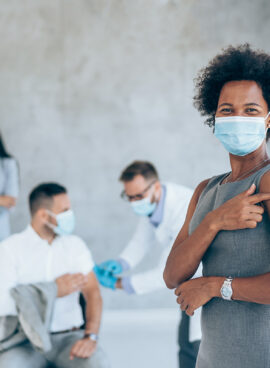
x=235, y=334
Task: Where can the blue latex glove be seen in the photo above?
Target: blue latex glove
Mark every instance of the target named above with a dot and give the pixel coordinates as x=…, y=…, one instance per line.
x=105, y=279
x=111, y=267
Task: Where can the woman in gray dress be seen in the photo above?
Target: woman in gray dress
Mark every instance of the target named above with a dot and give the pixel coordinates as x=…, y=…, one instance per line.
x=9, y=184
x=227, y=226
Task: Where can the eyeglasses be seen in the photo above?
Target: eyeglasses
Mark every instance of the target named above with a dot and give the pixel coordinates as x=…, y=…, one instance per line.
x=138, y=196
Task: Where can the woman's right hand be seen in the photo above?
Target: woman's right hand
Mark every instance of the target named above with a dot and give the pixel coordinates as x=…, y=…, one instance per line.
x=7, y=201
x=240, y=212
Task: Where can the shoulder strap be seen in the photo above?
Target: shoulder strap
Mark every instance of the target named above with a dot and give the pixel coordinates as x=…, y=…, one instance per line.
x=215, y=180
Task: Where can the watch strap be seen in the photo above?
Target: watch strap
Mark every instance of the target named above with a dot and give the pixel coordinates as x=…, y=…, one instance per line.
x=228, y=282
x=91, y=336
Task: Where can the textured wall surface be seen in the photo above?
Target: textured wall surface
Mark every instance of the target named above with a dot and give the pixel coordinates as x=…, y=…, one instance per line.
x=89, y=85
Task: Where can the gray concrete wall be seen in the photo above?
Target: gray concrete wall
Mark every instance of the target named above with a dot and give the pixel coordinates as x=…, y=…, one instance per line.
x=89, y=85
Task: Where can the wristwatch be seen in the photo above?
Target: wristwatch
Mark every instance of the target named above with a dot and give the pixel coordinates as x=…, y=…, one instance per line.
x=226, y=289
x=91, y=336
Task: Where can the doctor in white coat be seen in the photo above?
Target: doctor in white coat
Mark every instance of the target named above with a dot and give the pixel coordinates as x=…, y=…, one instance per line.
x=162, y=208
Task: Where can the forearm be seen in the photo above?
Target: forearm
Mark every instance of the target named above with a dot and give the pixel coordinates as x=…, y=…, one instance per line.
x=7, y=201
x=3, y=202
x=186, y=255
x=2, y=198
x=93, y=313
x=254, y=289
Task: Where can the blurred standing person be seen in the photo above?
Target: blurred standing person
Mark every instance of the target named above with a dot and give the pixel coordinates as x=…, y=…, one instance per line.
x=9, y=187
x=162, y=209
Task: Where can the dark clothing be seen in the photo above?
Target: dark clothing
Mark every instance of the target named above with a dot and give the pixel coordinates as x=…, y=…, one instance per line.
x=188, y=351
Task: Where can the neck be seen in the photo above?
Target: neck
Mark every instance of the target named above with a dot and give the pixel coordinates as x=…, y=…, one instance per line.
x=244, y=164
x=158, y=196
x=44, y=232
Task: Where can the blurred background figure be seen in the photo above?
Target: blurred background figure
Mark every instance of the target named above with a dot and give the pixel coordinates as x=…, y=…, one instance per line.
x=9, y=188
x=53, y=254
x=162, y=208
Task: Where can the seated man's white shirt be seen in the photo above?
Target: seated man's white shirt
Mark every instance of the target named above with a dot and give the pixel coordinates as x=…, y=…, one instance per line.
x=26, y=258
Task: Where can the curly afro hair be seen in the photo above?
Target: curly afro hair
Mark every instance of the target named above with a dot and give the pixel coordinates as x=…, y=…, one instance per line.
x=233, y=64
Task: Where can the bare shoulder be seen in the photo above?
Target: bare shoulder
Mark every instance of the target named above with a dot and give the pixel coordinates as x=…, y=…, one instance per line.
x=184, y=232
x=265, y=188
x=200, y=188
x=195, y=198
x=265, y=182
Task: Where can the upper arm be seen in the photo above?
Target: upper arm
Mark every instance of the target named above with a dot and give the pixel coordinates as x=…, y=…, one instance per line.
x=91, y=287
x=84, y=263
x=183, y=234
x=265, y=188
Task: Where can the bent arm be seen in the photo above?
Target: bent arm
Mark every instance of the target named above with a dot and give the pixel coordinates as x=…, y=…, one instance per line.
x=187, y=251
x=254, y=289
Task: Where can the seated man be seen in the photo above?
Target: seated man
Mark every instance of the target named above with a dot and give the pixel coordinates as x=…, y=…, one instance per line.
x=44, y=252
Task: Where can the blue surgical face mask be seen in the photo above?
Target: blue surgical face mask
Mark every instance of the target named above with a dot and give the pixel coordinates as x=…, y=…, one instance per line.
x=143, y=207
x=65, y=223
x=240, y=135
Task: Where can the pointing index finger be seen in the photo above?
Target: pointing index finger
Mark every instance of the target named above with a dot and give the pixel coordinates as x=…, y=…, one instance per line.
x=260, y=197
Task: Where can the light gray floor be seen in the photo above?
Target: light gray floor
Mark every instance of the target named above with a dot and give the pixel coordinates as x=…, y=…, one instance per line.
x=141, y=338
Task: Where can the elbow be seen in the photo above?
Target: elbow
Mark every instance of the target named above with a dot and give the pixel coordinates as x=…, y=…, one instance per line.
x=173, y=279
x=169, y=280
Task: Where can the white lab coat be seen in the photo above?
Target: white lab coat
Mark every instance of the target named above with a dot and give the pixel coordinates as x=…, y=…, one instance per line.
x=146, y=236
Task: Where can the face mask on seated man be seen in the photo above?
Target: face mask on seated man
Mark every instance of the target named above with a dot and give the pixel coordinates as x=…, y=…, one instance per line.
x=65, y=222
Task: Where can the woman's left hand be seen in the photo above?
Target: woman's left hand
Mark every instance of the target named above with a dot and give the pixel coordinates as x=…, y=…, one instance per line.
x=194, y=293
